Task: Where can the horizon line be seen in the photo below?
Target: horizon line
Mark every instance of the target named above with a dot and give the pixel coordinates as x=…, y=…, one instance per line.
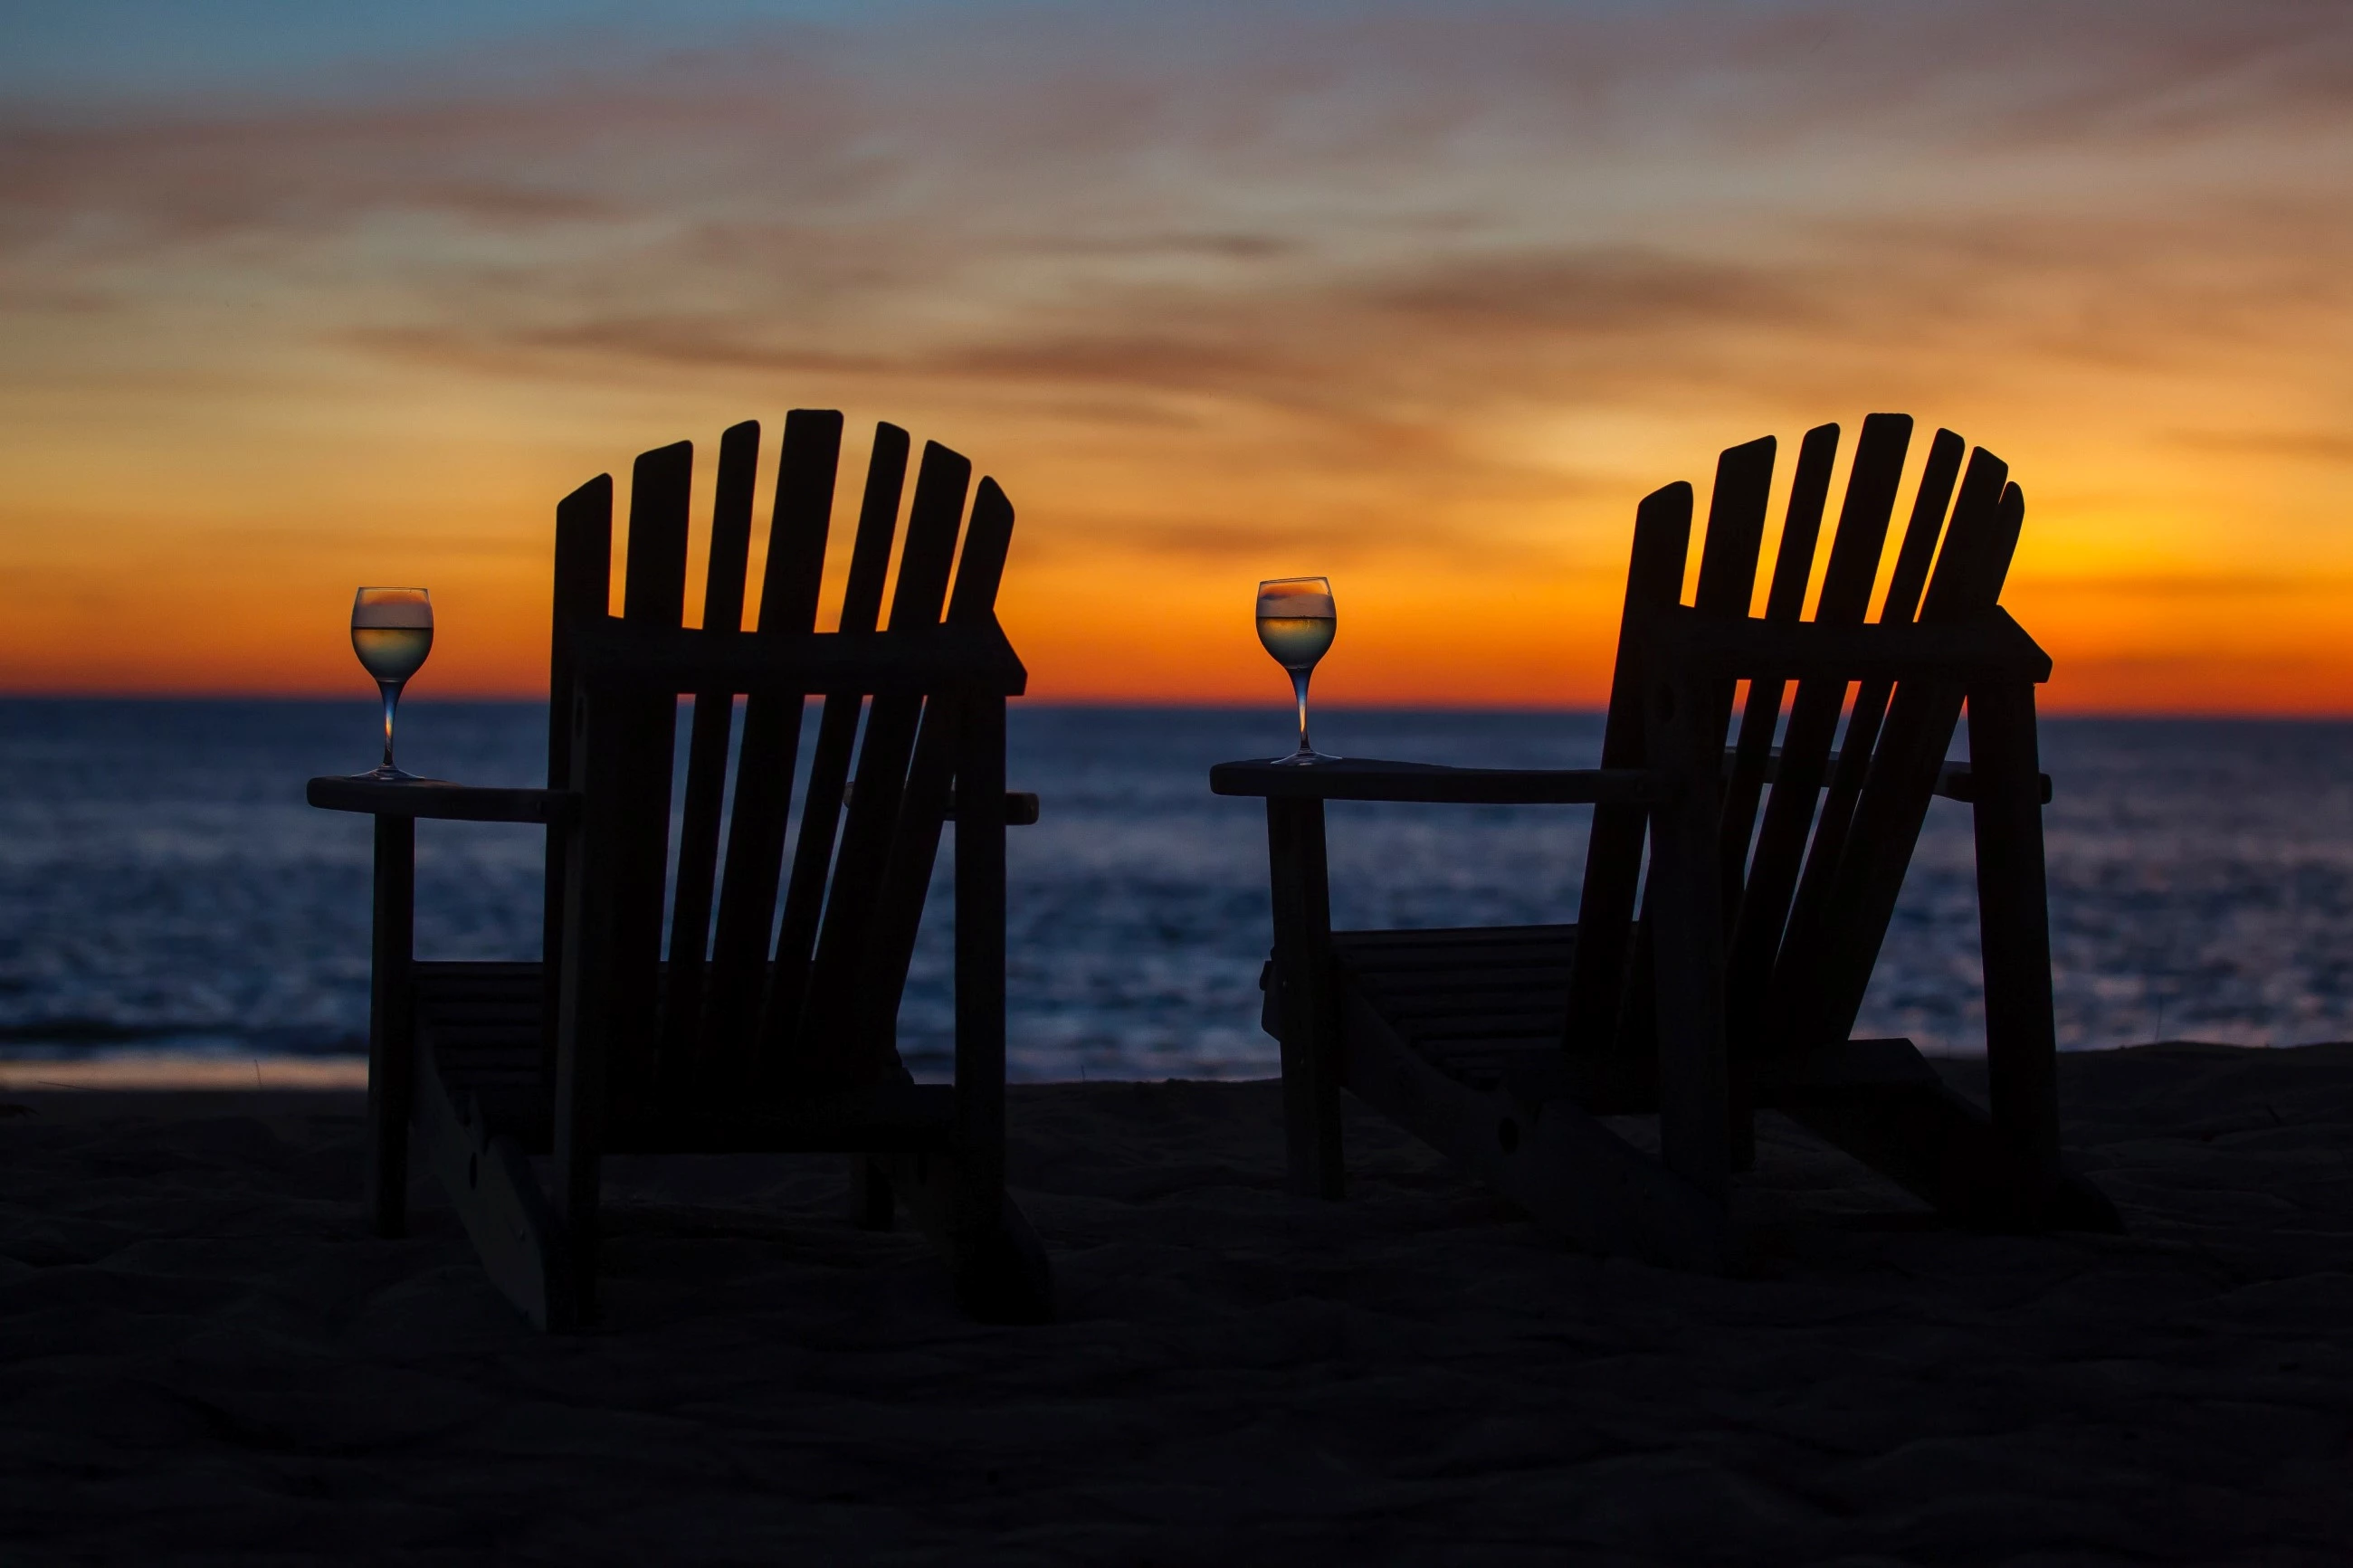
x=2202, y=715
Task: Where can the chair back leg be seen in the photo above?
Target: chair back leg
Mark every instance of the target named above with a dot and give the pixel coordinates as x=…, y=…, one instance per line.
x=2014, y=923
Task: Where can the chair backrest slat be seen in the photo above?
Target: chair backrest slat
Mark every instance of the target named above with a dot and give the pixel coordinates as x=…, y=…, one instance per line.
x=706, y=765
x=1778, y=860
x=1793, y=567
x=827, y=1047
x=837, y=737
x=1613, y=855
x=890, y=947
x=1905, y=585
x=1818, y=990
x=799, y=522
x=583, y=587
x=653, y=596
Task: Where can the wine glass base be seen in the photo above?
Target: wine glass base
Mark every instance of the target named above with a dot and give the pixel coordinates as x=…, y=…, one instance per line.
x=390, y=775
x=1303, y=759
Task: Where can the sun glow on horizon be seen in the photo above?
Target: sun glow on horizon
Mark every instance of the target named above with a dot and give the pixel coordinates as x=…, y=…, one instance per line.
x=1422, y=300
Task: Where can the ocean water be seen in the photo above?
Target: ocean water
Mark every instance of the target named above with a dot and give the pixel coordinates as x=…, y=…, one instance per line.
x=165, y=890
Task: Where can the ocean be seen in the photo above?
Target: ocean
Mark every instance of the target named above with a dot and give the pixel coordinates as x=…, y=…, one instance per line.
x=165, y=893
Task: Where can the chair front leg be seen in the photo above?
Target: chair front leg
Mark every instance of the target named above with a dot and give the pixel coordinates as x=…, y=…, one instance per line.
x=2014, y=923
x=1695, y=1110
x=1306, y=1001
x=392, y=1026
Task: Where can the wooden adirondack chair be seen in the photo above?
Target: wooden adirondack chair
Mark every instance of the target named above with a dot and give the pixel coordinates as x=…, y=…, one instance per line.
x=734, y=1044
x=1739, y=983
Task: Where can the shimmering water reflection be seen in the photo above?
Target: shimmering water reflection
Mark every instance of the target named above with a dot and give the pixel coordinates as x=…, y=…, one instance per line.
x=162, y=887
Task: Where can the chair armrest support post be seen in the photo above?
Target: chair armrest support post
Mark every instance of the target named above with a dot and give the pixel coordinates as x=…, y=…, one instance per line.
x=1306, y=1001
x=391, y=1025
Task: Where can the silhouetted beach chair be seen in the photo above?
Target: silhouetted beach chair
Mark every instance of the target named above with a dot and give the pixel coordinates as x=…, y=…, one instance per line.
x=1737, y=985
x=732, y=1045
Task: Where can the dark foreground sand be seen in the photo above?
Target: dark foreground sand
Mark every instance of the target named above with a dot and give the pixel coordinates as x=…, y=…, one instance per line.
x=204, y=1359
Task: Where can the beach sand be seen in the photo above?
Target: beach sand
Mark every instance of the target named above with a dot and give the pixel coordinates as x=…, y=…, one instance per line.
x=204, y=1357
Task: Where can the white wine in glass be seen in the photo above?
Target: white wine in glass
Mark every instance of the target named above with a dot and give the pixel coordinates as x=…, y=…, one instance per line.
x=1295, y=623
x=392, y=631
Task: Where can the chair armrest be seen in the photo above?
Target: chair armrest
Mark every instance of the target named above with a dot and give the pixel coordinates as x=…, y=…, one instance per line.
x=442, y=801
x=1366, y=778
x=1955, y=781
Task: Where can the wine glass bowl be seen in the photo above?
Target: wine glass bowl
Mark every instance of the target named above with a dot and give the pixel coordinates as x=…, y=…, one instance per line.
x=392, y=631
x=1296, y=623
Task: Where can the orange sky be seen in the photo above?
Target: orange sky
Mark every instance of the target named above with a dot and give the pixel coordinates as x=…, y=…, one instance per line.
x=1420, y=297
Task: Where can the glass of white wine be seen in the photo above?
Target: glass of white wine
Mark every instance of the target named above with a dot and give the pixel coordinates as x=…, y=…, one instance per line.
x=1295, y=623
x=392, y=631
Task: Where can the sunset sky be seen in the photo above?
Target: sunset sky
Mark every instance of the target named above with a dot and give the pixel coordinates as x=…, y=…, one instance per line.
x=295, y=297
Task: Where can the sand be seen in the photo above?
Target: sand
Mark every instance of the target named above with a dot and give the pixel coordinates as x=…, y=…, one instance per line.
x=203, y=1358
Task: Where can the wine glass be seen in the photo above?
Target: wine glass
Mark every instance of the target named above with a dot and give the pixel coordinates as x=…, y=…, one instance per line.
x=1295, y=623
x=392, y=631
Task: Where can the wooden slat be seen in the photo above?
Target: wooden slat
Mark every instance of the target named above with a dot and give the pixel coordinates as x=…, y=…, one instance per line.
x=830, y=1049
x=706, y=765
x=1775, y=866
x=931, y=784
x=1735, y=538
x=1727, y=582
x=1613, y=858
x=1909, y=580
x=772, y=732
x=1823, y=988
x=821, y=801
x=583, y=587
x=644, y=733
x=1793, y=567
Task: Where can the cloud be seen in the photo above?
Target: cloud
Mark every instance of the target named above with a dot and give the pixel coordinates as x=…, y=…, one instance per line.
x=2305, y=446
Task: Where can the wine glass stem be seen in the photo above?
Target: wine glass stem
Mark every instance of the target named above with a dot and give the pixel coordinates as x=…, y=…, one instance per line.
x=390, y=690
x=1299, y=687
